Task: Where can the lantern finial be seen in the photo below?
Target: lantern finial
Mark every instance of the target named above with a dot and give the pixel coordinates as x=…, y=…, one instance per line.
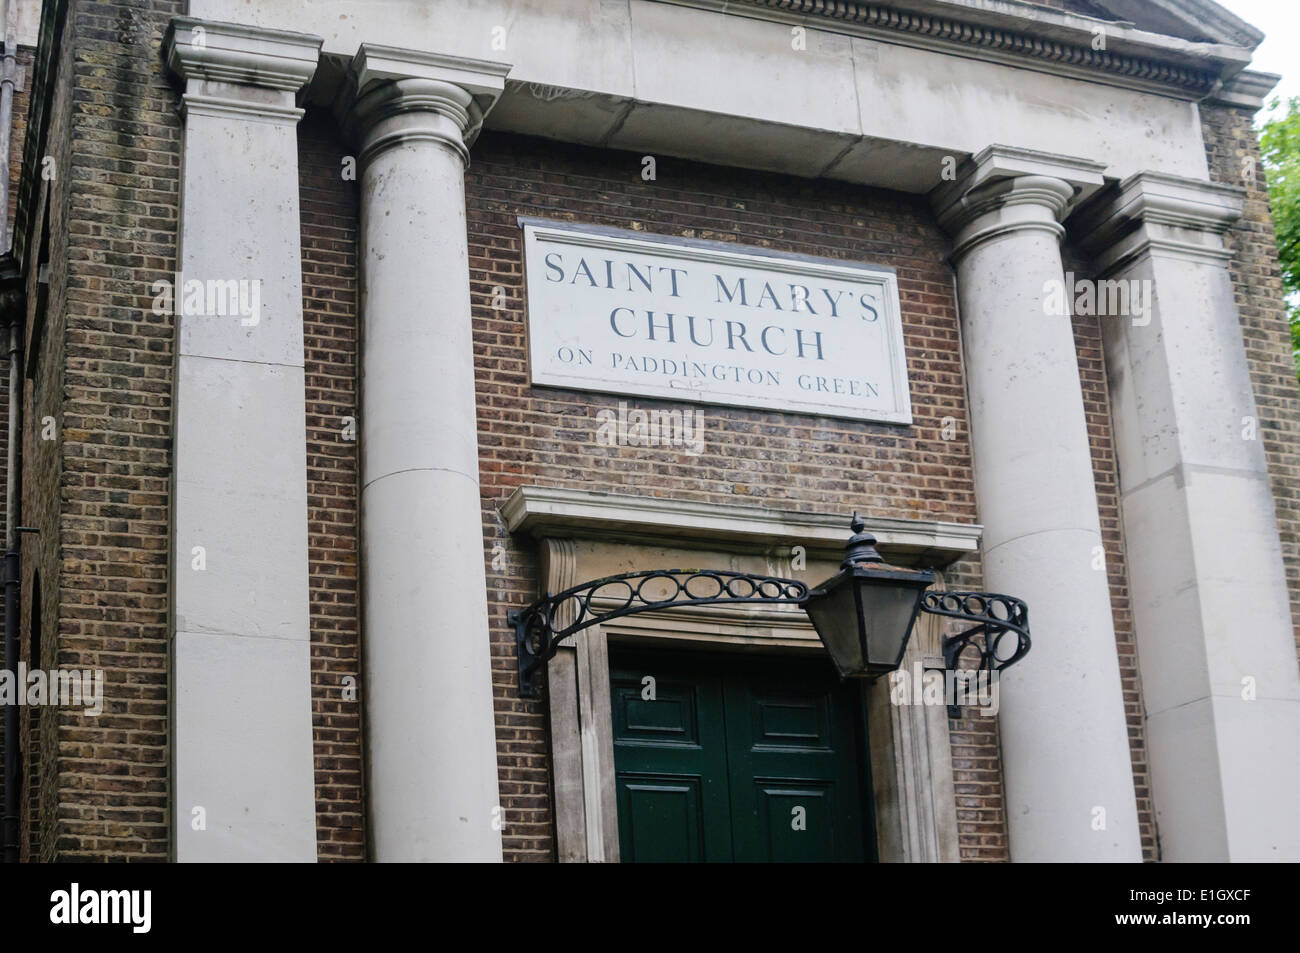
x=861, y=547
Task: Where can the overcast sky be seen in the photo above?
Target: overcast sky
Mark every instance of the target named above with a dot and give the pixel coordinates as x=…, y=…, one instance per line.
x=1279, y=53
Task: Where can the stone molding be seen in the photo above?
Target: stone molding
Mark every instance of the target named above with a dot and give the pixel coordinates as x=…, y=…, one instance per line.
x=1249, y=89
x=235, y=53
x=1153, y=212
x=1005, y=189
x=235, y=70
x=545, y=512
x=394, y=96
x=1037, y=38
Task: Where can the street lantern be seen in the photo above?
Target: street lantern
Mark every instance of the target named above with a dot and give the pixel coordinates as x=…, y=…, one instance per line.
x=864, y=614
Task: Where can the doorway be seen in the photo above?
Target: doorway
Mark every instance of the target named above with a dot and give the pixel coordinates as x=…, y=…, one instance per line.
x=736, y=757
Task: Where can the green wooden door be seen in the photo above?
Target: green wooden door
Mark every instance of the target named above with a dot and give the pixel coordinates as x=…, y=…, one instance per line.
x=737, y=758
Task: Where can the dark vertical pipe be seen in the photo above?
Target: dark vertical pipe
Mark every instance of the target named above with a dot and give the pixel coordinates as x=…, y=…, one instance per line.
x=13, y=578
x=8, y=78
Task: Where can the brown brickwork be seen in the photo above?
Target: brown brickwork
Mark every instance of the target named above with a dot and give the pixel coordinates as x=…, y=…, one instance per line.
x=976, y=756
x=22, y=101
x=329, y=292
x=1096, y=405
x=547, y=436
x=27, y=727
x=4, y=451
x=42, y=458
x=1233, y=151
x=100, y=492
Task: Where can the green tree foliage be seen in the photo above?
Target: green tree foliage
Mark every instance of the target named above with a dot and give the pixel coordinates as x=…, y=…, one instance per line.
x=1280, y=141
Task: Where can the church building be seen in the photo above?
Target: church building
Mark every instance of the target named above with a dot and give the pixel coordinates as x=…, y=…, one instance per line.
x=435, y=429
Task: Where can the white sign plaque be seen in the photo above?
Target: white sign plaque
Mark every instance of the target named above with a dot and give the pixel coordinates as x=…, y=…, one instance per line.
x=625, y=313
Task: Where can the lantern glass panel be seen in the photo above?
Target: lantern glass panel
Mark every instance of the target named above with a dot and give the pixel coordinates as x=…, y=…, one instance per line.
x=888, y=610
x=865, y=614
x=835, y=616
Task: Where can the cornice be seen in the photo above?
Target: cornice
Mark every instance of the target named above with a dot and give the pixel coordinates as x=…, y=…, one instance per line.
x=243, y=55
x=1249, y=89
x=550, y=512
x=1152, y=212
x=1004, y=189
x=1018, y=34
x=384, y=82
x=1211, y=17
x=376, y=63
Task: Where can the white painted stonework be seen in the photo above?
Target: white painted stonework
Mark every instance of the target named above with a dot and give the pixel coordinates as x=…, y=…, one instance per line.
x=431, y=736
x=1210, y=597
x=241, y=712
x=698, y=321
x=707, y=84
x=1065, y=753
x=1016, y=145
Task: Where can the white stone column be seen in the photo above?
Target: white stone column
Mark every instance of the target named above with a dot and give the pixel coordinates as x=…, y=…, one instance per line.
x=1209, y=591
x=1065, y=750
x=429, y=713
x=241, y=676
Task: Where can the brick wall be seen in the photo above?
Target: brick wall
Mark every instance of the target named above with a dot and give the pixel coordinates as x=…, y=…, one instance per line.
x=22, y=101
x=547, y=436
x=329, y=291
x=976, y=753
x=29, y=720
x=27, y=727
x=100, y=491
x=1233, y=152
x=42, y=458
x=1096, y=405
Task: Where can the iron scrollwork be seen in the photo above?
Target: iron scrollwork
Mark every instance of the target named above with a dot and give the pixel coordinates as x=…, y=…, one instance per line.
x=541, y=627
x=997, y=619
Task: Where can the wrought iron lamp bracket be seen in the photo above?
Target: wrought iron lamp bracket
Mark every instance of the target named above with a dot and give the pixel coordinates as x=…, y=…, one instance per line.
x=996, y=617
x=542, y=626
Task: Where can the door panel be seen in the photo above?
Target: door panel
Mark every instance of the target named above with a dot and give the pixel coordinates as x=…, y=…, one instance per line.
x=665, y=817
x=792, y=753
x=670, y=767
x=796, y=823
x=737, y=758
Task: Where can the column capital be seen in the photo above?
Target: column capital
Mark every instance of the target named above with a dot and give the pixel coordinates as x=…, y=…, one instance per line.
x=230, y=68
x=1005, y=189
x=393, y=96
x=1151, y=212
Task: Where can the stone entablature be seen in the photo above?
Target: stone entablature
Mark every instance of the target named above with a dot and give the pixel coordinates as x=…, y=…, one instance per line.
x=881, y=108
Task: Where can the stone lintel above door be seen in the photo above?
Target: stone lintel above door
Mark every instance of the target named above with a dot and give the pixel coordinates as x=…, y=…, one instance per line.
x=551, y=512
